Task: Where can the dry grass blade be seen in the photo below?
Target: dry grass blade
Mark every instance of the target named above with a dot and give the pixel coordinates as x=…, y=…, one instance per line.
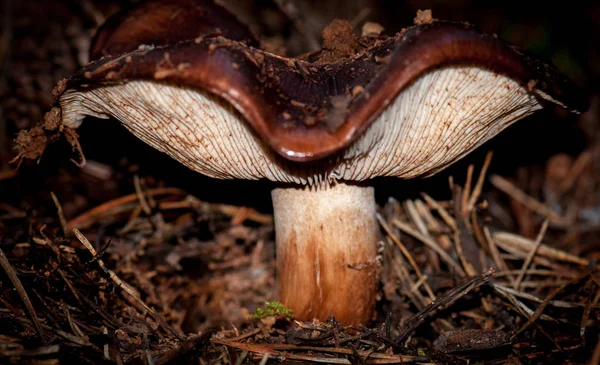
x=477, y=229
x=409, y=287
x=264, y=360
x=531, y=316
x=277, y=350
x=530, y=256
x=517, y=194
x=424, y=213
x=76, y=330
x=519, y=306
x=445, y=300
x=88, y=218
x=131, y=222
x=229, y=210
x=533, y=298
x=434, y=227
x=106, y=349
x=61, y=215
x=82, y=300
x=466, y=263
x=121, y=284
x=414, y=216
x=447, y=217
x=540, y=309
x=431, y=244
x=582, y=162
x=69, y=285
x=480, y=180
x=12, y=275
x=140, y=195
x=498, y=260
x=465, y=245
x=464, y=201
x=406, y=254
x=539, y=272
x=79, y=341
x=510, y=241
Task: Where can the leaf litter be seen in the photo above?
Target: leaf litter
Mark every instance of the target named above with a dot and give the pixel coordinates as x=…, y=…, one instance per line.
x=88, y=288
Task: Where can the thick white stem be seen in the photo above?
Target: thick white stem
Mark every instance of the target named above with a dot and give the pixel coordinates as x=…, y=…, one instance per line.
x=327, y=251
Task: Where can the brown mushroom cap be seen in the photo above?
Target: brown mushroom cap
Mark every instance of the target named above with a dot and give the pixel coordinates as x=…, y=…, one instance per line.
x=166, y=22
x=412, y=103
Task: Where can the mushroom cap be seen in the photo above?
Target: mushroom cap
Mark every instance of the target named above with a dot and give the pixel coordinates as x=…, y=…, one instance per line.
x=162, y=22
x=404, y=106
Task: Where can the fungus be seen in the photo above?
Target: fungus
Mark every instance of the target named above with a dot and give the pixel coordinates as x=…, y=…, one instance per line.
x=406, y=106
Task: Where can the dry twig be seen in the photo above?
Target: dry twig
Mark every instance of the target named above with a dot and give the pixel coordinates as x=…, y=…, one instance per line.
x=406, y=254
x=276, y=350
x=61, y=215
x=140, y=195
x=540, y=309
x=12, y=275
x=530, y=256
x=528, y=201
x=88, y=218
x=512, y=242
x=480, y=180
x=445, y=301
x=121, y=284
x=431, y=244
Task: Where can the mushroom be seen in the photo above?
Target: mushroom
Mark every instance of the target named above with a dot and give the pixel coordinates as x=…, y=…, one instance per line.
x=320, y=127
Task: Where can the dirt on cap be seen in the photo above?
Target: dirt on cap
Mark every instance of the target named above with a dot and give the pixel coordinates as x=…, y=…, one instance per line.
x=31, y=143
x=424, y=17
x=339, y=41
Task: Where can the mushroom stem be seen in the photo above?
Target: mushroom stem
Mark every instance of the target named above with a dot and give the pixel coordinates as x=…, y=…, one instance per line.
x=327, y=251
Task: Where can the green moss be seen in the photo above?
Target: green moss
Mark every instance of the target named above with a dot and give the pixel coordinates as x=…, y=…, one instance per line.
x=273, y=309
